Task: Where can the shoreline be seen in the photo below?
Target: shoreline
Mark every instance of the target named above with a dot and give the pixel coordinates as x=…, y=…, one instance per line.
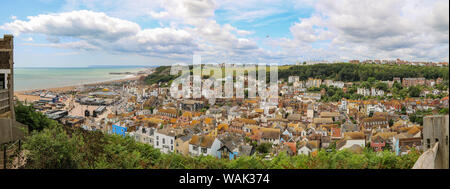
x=23, y=97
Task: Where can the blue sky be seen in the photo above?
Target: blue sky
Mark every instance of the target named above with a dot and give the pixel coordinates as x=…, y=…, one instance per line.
x=74, y=33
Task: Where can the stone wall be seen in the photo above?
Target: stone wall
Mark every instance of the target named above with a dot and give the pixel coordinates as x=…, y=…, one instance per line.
x=435, y=130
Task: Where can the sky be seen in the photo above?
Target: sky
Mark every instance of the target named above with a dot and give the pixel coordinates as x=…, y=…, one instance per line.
x=78, y=33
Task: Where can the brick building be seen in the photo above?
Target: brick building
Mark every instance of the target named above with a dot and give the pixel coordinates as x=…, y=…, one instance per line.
x=408, y=82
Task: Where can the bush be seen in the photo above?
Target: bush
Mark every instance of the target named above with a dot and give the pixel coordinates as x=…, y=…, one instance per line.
x=35, y=121
x=264, y=148
x=52, y=148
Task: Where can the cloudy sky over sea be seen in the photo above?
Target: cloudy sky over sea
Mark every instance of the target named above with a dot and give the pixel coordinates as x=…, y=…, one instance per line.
x=54, y=33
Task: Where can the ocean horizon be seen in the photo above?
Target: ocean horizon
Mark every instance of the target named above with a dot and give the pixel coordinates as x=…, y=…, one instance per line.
x=33, y=78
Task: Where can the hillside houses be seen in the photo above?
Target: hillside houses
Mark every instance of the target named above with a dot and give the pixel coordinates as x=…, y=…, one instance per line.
x=302, y=122
x=202, y=145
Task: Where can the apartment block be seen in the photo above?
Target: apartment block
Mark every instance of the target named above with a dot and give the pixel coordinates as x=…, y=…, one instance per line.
x=408, y=82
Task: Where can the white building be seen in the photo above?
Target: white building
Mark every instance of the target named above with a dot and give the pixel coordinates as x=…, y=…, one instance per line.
x=165, y=140
x=304, y=150
x=350, y=143
x=338, y=84
x=374, y=108
x=143, y=135
x=293, y=79
x=350, y=139
x=372, y=92
x=204, y=146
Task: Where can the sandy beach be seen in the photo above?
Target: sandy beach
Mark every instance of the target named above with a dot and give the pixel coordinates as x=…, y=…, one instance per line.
x=30, y=98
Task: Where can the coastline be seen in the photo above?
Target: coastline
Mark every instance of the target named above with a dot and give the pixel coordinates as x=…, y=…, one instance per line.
x=22, y=97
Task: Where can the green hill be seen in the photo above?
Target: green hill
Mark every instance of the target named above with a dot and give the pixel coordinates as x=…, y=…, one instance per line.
x=338, y=71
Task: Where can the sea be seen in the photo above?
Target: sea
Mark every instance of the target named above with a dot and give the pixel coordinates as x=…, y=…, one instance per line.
x=43, y=78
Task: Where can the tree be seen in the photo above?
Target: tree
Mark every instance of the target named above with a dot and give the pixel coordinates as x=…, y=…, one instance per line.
x=363, y=72
x=264, y=148
x=382, y=86
x=403, y=93
x=371, y=80
x=27, y=115
x=366, y=85
x=52, y=148
x=443, y=111
x=403, y=110
x=414, y=91
x=397, y=86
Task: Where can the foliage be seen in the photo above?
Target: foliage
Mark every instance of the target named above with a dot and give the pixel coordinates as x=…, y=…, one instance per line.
x=161, y=74
x=341, y=71
x=34, y=120
x=362, y=72
x=53, y=149
x=443, y=111
x=264, y=148
x=417, y=117
x=414, y=91
x=381, y=86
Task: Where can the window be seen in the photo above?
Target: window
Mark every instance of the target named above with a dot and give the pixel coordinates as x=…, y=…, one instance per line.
x=2, y=81
x=428, y=143
x=171, y=141
x=157, y=143
x=204, y=150
x=164, y=141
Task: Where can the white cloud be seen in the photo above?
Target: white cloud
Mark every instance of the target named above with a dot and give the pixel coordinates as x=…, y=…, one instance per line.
x=95, y=31
x=407, y=29
x=310, y=30
x=192, y=28
x=212, y=38
x=158, y=40
x=83, y=45
x=187, y=11
x=80, y=24
x=375, y=29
